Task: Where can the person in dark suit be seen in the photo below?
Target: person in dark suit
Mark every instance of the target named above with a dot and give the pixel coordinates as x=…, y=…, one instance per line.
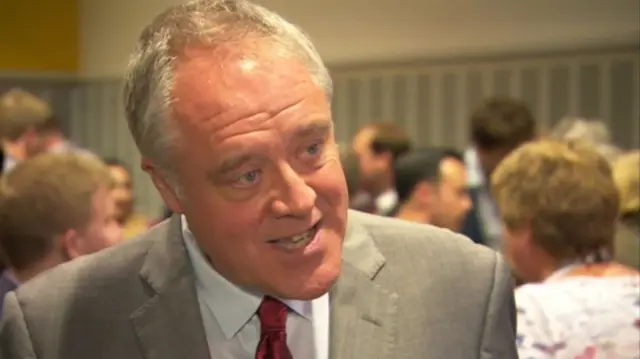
x=1, y=161
x=497, y=127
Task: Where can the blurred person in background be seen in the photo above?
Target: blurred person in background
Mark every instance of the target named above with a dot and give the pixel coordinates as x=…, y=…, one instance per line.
x=432, y=188
x=626, y=168
x=592, y=132
x=21, y=114
x=626, y=173
x=377, y=146
x=560, y=205
x=132, y=222
x=497, y=127
x=54, y=208
x=50, y=139
x=358, y=199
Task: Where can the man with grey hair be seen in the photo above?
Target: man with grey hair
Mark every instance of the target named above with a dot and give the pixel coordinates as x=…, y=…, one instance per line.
x=230, y=106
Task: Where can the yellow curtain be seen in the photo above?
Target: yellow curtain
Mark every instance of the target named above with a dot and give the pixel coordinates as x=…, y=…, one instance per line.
x=39, y=36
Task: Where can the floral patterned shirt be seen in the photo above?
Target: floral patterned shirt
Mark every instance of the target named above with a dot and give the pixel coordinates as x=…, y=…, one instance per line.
x=579, y=318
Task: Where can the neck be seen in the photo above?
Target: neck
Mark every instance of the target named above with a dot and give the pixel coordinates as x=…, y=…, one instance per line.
x=539, y=266
x=599, y=270
x=413, y=213
x=384, y=183
x=598, y=266
x=31, y=271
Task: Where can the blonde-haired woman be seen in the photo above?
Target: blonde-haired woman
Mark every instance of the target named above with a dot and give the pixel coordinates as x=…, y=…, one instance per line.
x=560, y=206
x=626, y=173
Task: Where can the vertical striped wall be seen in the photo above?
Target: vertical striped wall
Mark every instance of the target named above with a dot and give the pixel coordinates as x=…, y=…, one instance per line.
x=432, y=101
x=98, y=122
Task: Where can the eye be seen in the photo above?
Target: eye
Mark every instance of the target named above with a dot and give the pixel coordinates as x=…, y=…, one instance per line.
x=248, y=179
x=313, y=150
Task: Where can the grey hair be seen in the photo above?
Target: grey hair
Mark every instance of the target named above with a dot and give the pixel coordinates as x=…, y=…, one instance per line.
x=592, y=132
x=149, y=77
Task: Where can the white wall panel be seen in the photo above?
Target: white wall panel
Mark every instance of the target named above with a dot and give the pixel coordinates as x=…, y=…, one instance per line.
x=98, y=123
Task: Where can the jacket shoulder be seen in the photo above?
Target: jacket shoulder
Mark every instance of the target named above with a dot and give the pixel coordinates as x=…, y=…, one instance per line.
x=92, y=277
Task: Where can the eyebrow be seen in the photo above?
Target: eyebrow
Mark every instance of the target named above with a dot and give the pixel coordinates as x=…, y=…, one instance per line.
x=232, y=164
x=313, y=128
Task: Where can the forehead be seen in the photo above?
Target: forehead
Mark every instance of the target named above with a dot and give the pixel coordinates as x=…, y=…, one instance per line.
x=362, y=139
x=243, y=78
x=119, y=173
x=453, y=171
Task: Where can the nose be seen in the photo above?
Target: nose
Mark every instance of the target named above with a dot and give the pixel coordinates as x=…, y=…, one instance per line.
x=294, y=197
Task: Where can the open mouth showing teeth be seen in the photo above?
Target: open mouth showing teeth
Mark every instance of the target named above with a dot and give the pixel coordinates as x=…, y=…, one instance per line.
x=297, y=241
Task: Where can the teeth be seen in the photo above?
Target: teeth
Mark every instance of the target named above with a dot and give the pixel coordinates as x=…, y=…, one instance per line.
x=297, y=241
x=307, y=235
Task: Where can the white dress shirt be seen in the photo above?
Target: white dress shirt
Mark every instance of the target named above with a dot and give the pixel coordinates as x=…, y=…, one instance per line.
x=8, y=164
x=230, y=321
x=487, y=208
x=386, y=202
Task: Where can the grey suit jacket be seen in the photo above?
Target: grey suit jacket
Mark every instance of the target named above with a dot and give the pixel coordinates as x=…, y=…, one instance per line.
x=406, y=291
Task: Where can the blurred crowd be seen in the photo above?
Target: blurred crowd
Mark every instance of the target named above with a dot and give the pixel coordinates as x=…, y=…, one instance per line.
x=558, y=204
x=58, y=201
x=549, y=201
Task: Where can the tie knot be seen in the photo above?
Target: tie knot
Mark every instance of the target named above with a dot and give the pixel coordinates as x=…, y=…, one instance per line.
x=272, y=314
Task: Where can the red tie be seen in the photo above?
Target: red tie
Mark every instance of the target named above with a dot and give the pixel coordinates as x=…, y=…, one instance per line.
x=273, y=330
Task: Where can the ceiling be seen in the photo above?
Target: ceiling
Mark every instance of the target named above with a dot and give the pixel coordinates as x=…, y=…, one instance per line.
x=355, y=31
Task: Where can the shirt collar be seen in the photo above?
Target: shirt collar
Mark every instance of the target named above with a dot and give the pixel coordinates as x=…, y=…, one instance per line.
x=9, y=279
x=386, y=201
x=9, y=163
x=475, y=175
x=218, y=292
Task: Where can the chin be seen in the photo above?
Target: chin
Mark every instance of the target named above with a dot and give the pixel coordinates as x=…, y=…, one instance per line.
x=313, y=286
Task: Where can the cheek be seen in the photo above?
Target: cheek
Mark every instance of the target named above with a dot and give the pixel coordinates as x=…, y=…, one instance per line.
x=217, y=214
x=330, y=185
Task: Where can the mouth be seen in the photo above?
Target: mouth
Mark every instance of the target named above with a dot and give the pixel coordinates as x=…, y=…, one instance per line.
x=297, y=241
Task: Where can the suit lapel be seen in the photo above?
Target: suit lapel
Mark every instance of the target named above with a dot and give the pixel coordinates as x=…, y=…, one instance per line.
x=362, y=313
x=169, y=325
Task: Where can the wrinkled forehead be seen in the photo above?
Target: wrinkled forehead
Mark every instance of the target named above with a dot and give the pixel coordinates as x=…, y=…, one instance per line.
x=245, y=75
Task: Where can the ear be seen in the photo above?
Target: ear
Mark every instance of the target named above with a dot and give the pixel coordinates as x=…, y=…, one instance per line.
x=424, y=192
x=385, y=159
x=71, y=243
x=167, y=193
